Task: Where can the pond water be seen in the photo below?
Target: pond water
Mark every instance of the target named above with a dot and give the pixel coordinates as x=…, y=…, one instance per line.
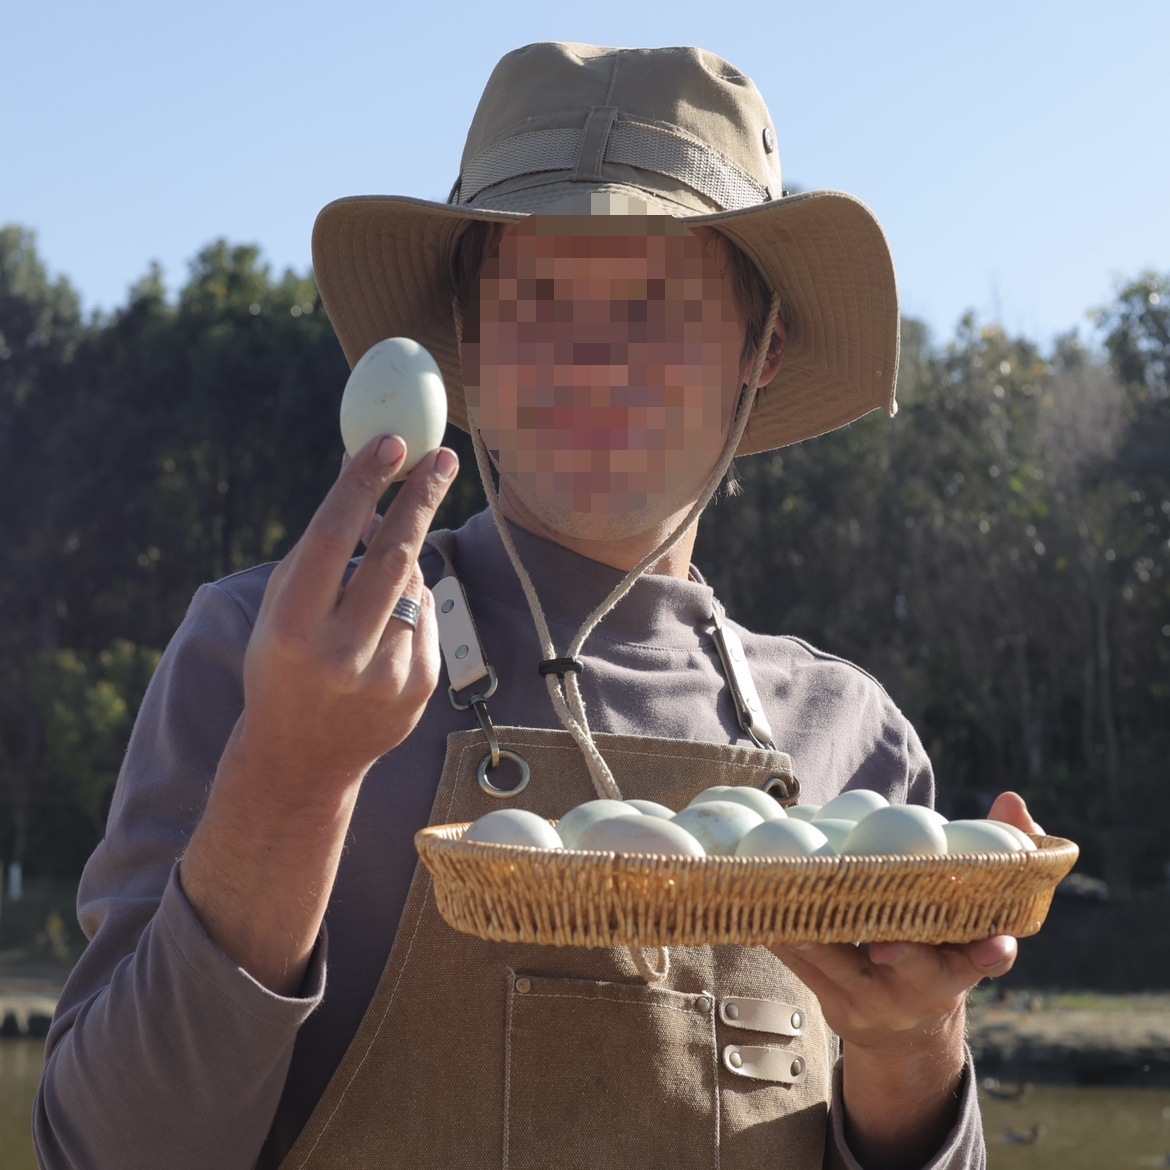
x=1080, y=1128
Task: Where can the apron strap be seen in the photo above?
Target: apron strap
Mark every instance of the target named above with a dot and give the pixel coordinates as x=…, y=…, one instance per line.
x=458, y=637
x=748, y=707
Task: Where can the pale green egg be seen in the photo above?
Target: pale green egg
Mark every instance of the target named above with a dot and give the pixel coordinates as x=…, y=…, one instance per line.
x=718, y=825
x=651, y=808
x=756, y=799
x=979, y=837
x=577, y=820
x=786, y=838
x=1026, y=842
x=640, y=834
x=803, y=812
x=852, y=805
x=513, y=826
x=396, y=388
x=837, y=831
x=898, y=829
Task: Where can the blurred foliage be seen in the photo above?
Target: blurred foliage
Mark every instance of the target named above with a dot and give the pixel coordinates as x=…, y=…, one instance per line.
x=87, y=704
x=997, y=555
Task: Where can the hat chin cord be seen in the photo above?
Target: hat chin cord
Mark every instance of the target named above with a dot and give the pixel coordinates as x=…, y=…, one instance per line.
x=568, y=703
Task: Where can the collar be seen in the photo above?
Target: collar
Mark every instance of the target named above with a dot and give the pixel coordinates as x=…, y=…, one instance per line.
x=658, y=611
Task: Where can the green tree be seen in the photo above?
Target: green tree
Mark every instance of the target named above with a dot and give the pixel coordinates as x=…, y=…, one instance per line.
x=87, y=704
x=40, y=331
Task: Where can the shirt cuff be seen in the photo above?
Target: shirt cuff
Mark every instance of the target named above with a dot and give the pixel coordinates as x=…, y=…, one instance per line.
x=186, y=936
x=963, y=1149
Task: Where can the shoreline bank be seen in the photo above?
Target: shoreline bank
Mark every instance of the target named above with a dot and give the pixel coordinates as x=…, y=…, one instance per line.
x=1016, y=1036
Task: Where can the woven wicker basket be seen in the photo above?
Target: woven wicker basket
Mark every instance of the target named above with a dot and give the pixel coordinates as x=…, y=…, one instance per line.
x=514, y=893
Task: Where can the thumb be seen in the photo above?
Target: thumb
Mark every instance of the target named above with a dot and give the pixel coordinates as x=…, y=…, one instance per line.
x=1010, y=808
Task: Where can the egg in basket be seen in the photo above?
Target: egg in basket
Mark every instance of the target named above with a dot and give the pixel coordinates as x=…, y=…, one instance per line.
x=735, y=867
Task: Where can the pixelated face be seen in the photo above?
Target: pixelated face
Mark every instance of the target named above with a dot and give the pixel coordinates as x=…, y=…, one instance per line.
x=601, y=365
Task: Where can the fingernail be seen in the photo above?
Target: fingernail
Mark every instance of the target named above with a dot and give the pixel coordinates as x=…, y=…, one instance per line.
x=892, y=955
x=998, y=956
x=446, y=462
x=391, y=450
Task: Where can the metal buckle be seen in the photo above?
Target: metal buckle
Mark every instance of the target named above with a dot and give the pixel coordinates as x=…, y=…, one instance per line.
x=493, y=682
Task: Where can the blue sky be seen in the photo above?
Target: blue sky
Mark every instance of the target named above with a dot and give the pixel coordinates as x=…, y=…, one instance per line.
x=1017, y=154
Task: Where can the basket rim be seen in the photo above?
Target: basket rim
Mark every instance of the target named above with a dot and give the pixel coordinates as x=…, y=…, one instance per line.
x=1048, y=849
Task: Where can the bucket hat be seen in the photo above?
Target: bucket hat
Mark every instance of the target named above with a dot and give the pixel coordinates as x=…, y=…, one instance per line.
x=564, y=127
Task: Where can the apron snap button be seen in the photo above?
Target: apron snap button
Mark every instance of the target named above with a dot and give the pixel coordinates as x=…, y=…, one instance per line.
x=734, y=1059
x=703, y=1004
x=731, y=1011
x=797, y=1067
x=523, y=986
x=797, y=1019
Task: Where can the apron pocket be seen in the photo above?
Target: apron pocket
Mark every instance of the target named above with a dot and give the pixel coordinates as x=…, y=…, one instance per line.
x=607, y=1075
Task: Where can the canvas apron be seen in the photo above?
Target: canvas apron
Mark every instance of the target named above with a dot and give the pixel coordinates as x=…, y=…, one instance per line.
x=482, y=1054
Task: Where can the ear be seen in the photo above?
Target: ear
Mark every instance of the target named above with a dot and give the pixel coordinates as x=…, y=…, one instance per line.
x=772, y=362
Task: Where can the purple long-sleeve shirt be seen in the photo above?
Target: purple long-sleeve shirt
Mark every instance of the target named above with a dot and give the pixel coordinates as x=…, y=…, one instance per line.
x=163, y=1052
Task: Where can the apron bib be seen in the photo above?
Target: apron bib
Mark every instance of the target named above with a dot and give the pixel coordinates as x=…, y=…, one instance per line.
x=525, y=1057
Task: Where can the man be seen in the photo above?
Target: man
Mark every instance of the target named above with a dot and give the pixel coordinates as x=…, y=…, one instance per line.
x=609, y=360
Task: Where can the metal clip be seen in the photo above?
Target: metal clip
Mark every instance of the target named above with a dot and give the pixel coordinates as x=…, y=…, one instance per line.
x=493, y=682
x=489, y=731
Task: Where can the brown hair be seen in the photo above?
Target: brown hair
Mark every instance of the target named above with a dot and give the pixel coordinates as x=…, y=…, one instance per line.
x=752, y=295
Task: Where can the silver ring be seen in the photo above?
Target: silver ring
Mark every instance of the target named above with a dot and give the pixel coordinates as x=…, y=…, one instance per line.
x=407, y=611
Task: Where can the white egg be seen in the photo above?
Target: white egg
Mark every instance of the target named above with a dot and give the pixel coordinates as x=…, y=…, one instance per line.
x=718, y=825
x=803, y=812
x=979, y=837
x=898, y=828
x=395, y=389
x=851, y=805
x=836, y=831
x=711, y=793
x=786, y=838
x=754, y=798
x=640, y=834
x=652, y=808
x=1026, y=842
x=513, y=826
x=933, y=814
x=577, y=820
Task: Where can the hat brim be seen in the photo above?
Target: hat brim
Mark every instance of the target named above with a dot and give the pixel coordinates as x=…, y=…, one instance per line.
x=382, y=264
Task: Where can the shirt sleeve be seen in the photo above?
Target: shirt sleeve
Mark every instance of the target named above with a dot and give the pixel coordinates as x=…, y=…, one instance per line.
x=963, y=1149
x=920, y=786
x=162, y=1051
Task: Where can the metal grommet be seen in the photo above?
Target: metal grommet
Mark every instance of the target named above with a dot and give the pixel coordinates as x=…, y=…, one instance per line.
x=523, y=985
x=448, y=605
x=785, y=789
x=731, y=1011
x=503, y=793
x=769, y=139
x=797, y=1067
x=703, y=1004
x=734, y=1059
